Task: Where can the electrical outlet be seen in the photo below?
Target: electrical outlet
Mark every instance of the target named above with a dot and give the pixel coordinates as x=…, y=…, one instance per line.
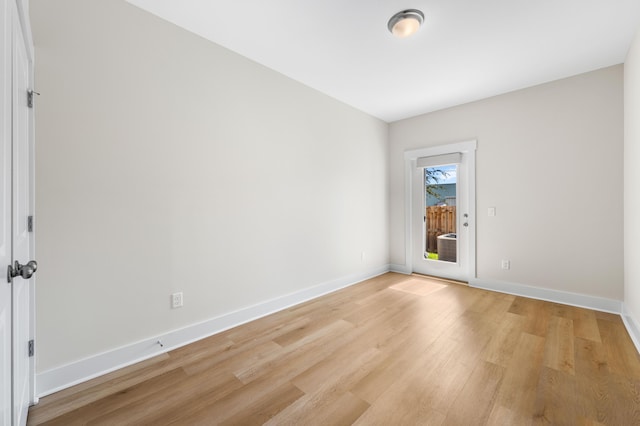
x=506, y=264
x=363, y=256
x=176, y=300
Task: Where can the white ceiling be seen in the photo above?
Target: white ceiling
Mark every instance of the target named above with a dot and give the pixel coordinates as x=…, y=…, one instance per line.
x=466, y=50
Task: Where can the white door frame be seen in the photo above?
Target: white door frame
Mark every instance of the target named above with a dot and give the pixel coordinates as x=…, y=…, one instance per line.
x=468, y=148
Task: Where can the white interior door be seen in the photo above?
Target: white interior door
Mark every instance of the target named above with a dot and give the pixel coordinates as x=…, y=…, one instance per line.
x=16, y=242
x=449, y=253
x=5, y=213
x=21, y=238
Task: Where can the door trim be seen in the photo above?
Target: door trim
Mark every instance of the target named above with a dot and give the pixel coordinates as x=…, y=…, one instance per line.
x=467, y=147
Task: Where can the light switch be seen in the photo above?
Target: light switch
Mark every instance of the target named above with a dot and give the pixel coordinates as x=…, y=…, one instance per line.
x=491, y=211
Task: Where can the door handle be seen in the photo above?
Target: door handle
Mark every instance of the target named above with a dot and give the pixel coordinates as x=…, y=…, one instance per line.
x=26, y=271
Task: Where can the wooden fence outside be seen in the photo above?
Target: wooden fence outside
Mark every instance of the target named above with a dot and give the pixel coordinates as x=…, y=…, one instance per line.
x=440, y=220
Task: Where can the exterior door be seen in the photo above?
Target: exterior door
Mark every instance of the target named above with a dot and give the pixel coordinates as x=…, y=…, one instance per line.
x=441, y=236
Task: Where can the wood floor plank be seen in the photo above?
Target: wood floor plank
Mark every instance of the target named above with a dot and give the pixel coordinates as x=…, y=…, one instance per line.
x=262, y=410
x=607, y=316
x=313, y=348
x=156, y=407
x=493, y=305
x=472, y=332
x=399, y=361
x=585, y=324
x=592, y=376
x=261, y=400
x=500, y=347
x=374, y=355
x=537, y=314
x=501, y=416
x=603, y=395
x=582, y=421
x=442, y=389
x=343, y=411
x=555, y=398
x=236, y=358
x=278, y=327
x=107, y=405
x=310, y=325
x=476, y=398
x=323, y=394
x=622, y=357
x=422, y=389
x=234, y=354
x=367, y=312
x=623, y=397
x=334, y=367
x=518, y=389
x=71, y=398
x=559, y=351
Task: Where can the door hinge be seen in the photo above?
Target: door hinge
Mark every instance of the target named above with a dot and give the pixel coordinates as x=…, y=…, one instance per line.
x=30, y=94
x=32, y=348
x=30, y=223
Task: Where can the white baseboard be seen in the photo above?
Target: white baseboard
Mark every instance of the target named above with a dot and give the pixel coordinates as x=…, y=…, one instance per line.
x=633, y=326
x=62, y=377
x=550, y=295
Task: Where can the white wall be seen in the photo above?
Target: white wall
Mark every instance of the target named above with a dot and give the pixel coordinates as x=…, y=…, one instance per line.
x=632, y=184
x=549, y=159
x=167, y=163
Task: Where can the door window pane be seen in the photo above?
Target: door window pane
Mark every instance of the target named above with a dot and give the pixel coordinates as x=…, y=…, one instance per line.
x=441, y=192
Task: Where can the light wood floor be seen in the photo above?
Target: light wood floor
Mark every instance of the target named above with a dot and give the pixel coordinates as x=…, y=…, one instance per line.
x=394, y=350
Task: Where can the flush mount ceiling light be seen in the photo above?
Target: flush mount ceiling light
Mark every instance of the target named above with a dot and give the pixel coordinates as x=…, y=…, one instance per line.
x=405, y=23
